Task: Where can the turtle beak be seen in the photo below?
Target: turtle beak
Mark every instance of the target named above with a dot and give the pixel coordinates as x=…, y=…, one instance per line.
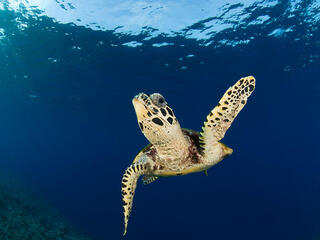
x=138, y=105
x=137, y=100
x=139, y=97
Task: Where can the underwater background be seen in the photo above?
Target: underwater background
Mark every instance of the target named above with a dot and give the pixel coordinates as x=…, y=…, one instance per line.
x=68, y=130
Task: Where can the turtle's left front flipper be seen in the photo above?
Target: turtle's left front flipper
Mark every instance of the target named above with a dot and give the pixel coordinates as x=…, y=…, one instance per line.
x=222, y=116
x=128, y=187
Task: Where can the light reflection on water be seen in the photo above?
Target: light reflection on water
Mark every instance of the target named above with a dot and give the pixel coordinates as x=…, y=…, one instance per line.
x=199, y=20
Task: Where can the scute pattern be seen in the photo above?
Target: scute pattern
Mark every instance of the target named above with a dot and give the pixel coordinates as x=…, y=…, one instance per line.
x=221, y=117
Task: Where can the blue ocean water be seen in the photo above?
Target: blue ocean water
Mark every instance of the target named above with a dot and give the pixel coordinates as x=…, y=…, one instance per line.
x=68, y=72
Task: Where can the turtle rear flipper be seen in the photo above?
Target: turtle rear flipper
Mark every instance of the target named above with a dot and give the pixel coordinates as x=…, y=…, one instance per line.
x=222, y=116
x=148, y=179
x=128, y=187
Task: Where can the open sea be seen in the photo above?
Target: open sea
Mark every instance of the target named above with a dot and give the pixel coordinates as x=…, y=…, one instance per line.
x=68, y=72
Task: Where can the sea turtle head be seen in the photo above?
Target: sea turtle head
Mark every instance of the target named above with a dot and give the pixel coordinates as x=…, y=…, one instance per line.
x=156, y=119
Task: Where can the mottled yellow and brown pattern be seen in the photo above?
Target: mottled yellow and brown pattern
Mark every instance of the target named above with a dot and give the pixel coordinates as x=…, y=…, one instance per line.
x=174, y=151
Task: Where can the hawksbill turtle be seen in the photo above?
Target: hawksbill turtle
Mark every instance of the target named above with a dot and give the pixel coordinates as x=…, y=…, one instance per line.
x=175, y=151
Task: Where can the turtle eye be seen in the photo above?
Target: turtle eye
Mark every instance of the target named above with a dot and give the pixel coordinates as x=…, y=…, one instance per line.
x=161, y=100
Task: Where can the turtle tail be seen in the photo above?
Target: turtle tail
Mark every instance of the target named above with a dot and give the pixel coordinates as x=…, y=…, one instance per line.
x=128, y=187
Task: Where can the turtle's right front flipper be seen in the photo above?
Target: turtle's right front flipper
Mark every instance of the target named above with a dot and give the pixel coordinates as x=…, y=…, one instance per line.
x=128, y=187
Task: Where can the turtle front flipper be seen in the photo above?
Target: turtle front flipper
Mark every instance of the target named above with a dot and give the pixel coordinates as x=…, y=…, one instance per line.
x=128, y=187
x=222, y=116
